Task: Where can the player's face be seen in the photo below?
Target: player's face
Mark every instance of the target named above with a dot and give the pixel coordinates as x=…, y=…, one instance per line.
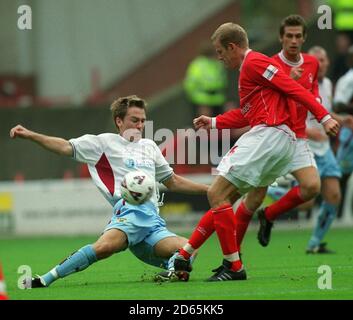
x=131, y=127
x=323, y=63
x=230, y=56
x=292, y=40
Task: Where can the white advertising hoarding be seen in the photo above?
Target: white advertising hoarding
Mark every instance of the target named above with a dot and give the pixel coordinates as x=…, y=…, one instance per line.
x=54, y=207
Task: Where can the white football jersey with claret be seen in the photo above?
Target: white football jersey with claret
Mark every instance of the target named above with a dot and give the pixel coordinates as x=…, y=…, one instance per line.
x=325, y=91
x=344, y=88
x=109, y=157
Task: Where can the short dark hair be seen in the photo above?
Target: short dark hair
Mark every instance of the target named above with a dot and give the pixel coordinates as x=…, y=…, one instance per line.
x=293, y=20
x=119, y=106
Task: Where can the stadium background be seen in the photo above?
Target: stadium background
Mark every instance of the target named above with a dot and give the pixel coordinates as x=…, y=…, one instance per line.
x=60, y=77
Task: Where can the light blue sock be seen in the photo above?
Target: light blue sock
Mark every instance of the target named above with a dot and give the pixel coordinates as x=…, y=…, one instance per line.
x=170, y=263
x=326, y=216
x=76, y=262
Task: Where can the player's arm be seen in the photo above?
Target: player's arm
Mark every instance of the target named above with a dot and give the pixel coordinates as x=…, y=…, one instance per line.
x=274, y=77
x=299, y=94
x=232, y=119
x=54, y=144
x=180, y=184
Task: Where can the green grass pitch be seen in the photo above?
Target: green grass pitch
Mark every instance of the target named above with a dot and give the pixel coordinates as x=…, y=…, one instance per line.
x=280, y=271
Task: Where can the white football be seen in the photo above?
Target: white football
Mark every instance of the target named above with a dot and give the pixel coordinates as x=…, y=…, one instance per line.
x=137, y=187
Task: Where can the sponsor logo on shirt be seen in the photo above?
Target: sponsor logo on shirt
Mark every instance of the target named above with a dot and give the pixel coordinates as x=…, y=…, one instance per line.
x=130, y=163
x=270, y=72
x=138, y=163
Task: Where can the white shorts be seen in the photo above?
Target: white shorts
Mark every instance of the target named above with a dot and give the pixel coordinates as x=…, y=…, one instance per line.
x=303, y=156
x=259, y=157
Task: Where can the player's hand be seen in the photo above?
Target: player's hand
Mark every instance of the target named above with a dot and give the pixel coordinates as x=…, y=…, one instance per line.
x=20, y=131
x=296, y=73
x=203, y=122
x=331, y=127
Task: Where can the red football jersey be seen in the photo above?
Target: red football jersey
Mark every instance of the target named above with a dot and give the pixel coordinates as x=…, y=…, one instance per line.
x=264, y=89
x=308, y=80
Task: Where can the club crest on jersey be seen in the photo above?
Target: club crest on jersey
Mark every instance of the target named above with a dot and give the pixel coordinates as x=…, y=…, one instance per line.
x=246, y=108
x=311, y=77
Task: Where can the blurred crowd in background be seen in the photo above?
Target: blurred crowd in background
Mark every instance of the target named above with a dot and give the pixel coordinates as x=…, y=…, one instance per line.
x=67, y=64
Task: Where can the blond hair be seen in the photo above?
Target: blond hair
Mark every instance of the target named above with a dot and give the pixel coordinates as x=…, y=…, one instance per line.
x=231, y=33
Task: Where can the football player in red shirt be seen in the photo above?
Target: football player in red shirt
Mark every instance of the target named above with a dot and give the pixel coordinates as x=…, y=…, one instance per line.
x=304, y=69
x=260, y=155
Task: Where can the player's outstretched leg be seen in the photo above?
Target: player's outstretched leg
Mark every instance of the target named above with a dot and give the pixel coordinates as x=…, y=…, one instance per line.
x=76, y=262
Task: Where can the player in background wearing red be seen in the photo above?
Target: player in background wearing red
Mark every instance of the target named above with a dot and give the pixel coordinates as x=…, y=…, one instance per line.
x=260, y=155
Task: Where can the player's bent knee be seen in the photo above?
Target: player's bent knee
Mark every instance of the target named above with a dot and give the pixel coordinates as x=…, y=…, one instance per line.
x=253, y=203
x=310, y=190
x=105, y=249
x=215, y=197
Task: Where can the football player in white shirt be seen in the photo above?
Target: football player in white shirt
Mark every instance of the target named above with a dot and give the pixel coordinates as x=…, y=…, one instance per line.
x=343, y=102
x=109, y=157
x=328, y=167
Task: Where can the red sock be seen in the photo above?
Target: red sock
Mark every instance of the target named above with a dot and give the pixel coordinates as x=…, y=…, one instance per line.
x=236, y=265
x=184, y=253
x=203, y=230
x=242, y=219
x=201, y=233
x=224, y=223
x=289, y=201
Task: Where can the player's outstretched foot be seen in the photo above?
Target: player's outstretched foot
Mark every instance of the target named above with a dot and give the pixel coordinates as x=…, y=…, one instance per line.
x=226, y=274
x=321, y=248
x=182, y=267
x=264, y=233
x=35, y=282
x=171, y=276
